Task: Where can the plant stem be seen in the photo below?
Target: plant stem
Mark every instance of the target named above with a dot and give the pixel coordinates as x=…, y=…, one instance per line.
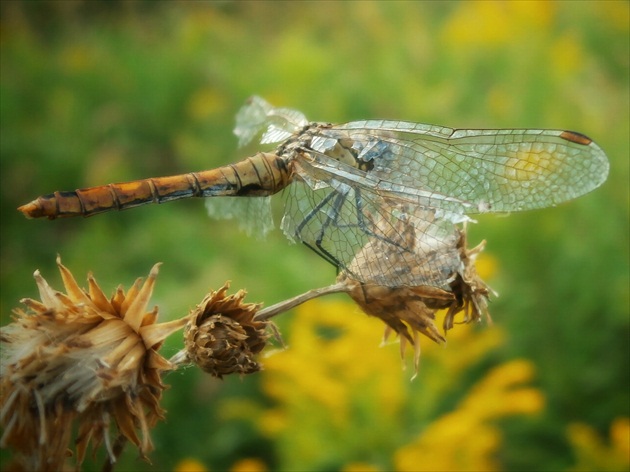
x=285, y=305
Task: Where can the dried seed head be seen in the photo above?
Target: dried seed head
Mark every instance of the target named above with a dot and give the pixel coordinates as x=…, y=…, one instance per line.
x=470, y=291
x=80, y=358
x=406, y=309
x=222, y=336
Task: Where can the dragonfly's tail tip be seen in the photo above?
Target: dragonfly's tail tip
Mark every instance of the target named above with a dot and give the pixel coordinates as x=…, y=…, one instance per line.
x=30, y=210
x=34, y=210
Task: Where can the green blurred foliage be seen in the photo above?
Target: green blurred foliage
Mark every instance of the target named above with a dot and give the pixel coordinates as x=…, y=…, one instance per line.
x=96, y=92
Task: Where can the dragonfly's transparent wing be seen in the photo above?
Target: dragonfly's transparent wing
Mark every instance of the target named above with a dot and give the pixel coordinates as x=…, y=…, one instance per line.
x=380, y=199
x=397, y=190
x=375, y=240
x=257, y=115
x=329, y=160
x=253, y=215
x=416, y=249
x=487, y=170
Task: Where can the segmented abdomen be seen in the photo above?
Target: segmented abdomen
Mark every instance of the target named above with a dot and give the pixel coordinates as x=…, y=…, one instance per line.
x=260, y=175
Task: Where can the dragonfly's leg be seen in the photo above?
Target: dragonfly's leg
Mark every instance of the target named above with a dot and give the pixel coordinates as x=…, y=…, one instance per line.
x=323, y=253
x=336, y=200
x=361, y=223
x=337, y=204
x=318, y=248
x=311, y=214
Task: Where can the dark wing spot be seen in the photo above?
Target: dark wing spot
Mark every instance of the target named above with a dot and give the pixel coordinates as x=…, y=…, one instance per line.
x=575, y=137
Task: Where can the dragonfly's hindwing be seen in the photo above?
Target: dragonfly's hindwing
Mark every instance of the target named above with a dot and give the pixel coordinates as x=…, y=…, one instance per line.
x=384, y=242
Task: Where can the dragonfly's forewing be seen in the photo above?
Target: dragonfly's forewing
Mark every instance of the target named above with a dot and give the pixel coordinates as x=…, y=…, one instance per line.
x=489, y=170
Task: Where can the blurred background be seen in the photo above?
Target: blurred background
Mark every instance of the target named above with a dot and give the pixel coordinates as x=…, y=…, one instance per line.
x=97, y=92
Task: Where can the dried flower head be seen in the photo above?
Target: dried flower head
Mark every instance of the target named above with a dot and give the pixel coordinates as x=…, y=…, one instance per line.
x=433, y=253
x=81, y=359
x=222, y=336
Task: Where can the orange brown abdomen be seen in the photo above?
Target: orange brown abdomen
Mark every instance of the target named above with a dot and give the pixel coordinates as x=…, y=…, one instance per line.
x=260, y=175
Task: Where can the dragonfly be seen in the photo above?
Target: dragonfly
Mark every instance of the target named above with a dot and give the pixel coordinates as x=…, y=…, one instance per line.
x=390, y=192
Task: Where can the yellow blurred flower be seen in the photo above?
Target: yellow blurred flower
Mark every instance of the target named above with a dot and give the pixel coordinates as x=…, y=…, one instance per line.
x=466, y=439
x=490, y=23
x=466, y=346
x=487, y=265
x=359, y=467
x=620, y=437
x=206, y=102
x=591, y=451
x=323, y=362
x=615, y=14
x=332, y=379
x=78, y=58
x=249, y=465
x=566, y=56
x=190, y=465
x=498, y=393
x=329, y=381
x=274, y=422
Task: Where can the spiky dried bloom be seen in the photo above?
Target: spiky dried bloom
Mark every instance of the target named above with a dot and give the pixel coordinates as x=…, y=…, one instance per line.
x=79, y=359
x=222, y=336
x=433, y=253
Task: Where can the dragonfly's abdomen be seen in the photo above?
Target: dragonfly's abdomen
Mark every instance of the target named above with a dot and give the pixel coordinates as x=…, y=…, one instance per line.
x=261, y=175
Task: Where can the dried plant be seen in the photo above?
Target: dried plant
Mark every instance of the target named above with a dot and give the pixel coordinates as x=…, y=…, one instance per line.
x=222, y=336
x=436, y=261
x=411, y=310
x=79, y=359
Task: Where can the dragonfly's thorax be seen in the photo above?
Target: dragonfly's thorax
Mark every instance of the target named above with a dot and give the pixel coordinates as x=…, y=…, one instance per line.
x=296, y=142
x=346, y=152
x=315, y=139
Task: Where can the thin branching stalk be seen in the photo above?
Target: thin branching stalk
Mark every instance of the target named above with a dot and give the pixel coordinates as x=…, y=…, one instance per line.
x=281, y=307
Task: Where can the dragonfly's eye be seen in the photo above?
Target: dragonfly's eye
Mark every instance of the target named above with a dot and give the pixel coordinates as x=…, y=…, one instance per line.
x=365, y=164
